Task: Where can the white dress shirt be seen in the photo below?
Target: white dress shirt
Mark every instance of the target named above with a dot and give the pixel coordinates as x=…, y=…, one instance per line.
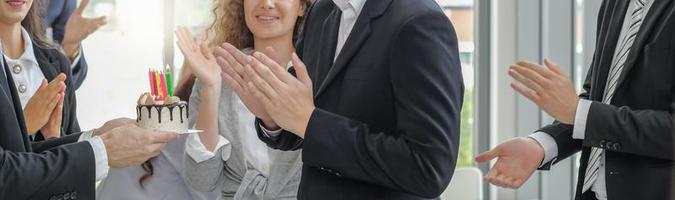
x=579, y=130
x=30, y=75
x=25, y=71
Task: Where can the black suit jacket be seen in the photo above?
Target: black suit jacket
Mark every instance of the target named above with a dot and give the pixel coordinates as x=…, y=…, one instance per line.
x=57, y=14
x=387, y=119
x=52, y=63
x=636, y=130
x=57, y=168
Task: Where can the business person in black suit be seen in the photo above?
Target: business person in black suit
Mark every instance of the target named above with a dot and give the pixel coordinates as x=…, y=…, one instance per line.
x=70, y=28
x=375, y=110
x=623, y=120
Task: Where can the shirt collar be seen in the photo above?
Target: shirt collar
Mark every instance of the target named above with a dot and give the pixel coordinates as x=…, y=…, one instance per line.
x=343, y=5
x=28, y=53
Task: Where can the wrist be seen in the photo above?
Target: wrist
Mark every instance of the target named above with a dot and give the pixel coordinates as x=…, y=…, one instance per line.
x=71, y=49
x=270, y=125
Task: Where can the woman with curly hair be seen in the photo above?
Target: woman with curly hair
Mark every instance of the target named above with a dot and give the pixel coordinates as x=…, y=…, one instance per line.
x=228, y=157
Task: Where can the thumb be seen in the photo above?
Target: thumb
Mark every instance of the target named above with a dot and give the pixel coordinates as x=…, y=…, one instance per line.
x=488, y=155
x=301, y=70
x=80, y=9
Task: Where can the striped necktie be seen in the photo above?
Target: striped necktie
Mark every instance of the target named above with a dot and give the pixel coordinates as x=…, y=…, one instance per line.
x=624, y=46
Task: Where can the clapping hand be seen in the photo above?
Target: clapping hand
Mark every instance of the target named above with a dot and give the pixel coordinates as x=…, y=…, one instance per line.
x=53, y=127
x=233, y=62
x=200, y=59
x=39, y=108
x=79, y=28
x=288, y=100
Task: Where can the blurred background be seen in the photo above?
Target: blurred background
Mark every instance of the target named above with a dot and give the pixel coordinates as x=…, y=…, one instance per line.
x=492, y=34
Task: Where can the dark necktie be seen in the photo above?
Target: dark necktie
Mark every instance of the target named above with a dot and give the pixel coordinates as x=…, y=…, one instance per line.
x=329, y=35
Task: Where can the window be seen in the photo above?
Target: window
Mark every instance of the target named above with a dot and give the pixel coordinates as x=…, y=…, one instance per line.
x=461, y=14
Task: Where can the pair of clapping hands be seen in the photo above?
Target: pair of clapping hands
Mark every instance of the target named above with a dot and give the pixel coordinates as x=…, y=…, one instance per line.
x=272, y=94
x=44, y=111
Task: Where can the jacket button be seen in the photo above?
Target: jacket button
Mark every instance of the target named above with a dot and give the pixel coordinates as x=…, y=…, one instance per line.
x=602, y=143
x=73, y=195
x=617, y=146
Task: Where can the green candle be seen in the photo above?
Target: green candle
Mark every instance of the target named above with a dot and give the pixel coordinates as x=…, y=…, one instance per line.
x=169, y=80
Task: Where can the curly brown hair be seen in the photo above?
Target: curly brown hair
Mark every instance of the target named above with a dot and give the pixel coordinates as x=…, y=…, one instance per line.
x=229, y=24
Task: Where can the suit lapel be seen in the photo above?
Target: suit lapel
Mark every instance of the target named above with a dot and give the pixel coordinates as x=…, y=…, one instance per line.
x=650, y=23
x=359, y=34
x=47, y=65
x=9, y=92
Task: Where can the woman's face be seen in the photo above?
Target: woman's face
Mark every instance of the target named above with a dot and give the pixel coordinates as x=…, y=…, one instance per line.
x=14, y=11
x=272, y=18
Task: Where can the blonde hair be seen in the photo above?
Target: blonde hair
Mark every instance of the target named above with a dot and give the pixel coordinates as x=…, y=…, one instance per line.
x=229, y=24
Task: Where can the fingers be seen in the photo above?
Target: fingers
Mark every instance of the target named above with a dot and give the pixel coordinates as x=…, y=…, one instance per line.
x=52, y=104
x=273, y=66
x=528, y=93
x=301, y=70
x=536, y=68
x=487, y=156
x=263, y=86
x=270, y=52
x=528, y=74
x=163, y=137
x=525, y=80
x=553, y=66
x=240, y=57
x=80, y=9
x=263, y=71
x=206, y=52
x=258, y=94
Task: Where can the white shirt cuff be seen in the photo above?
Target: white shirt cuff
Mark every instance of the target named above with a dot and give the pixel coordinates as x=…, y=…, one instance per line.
x=100, y=153
x=270, y=133
x=548, y=144
x=198, y=152
x=583, y=108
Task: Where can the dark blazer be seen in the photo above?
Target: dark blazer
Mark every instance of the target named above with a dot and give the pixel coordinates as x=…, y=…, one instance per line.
x=58, y=13
x=54, y=169
x=52, y=63
x=387, y=119
x=636, y=130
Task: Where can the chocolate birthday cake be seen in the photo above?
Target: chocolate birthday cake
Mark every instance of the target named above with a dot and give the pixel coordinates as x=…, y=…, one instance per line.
x=171, y=114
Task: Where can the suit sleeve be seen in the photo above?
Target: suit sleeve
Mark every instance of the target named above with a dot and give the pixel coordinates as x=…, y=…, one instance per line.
x=419, y=156
x=65, y=169
x=562, y=133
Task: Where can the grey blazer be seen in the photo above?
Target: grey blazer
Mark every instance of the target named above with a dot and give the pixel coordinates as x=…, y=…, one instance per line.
x=228, y=171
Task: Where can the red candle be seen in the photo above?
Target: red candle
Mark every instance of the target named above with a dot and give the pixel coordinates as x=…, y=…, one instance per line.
x=151, y=78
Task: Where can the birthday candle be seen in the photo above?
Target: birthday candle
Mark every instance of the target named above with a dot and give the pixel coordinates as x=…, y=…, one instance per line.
x=158, y=84
x=169, y=80
x=151, y=78
x=163, y=86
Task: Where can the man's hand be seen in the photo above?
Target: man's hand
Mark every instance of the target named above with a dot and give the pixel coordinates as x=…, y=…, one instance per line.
x=79, y=28
x=232, y=62
x=39, y=107
x=549, y=88
x=288, y=100
x=53, y=127
x=112, y=124
x=517, y=159
x=130, y=145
